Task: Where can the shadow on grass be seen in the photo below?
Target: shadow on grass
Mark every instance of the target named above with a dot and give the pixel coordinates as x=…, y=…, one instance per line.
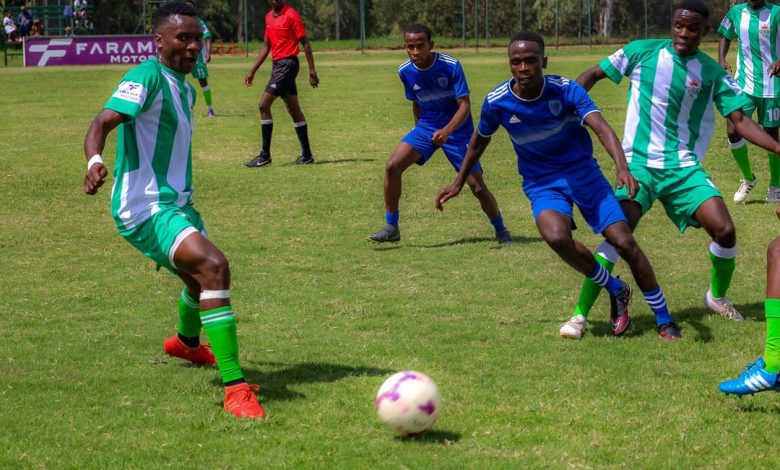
x=472, y=240
x=432, y=437
x=689, y=321
x=745, y=405
x=276, y=378
x=340, y=160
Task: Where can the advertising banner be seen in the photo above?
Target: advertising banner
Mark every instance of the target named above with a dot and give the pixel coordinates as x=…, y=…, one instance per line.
x=88, y=50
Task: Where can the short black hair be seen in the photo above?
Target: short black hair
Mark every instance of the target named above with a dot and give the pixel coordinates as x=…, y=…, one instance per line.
x=529, y=36
x=170, y=9
x=696, y=6
x=418, y=28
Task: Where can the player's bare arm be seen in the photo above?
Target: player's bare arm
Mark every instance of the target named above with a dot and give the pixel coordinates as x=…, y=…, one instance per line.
x=207, y=48
x=589, y=77
x=314, y=80
x=416, y=112
x=261, y=56
x=723, y=50
x=94, y=142
x=752, y=132
x=461, y=115
x=477, y=147
x=612, y=145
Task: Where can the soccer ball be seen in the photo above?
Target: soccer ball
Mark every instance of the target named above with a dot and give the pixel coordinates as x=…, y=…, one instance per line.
x=408, y=403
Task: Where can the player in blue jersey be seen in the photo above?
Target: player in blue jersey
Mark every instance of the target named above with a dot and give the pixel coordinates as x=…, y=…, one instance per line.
x=544, y=117
x=436, y=86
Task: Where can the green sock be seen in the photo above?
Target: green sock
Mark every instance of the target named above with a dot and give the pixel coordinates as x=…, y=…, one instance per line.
x=207, y=95
x=590, y=290
x=189, y=315
x=721, y=272
x=774, y=170
x=772, y=350
x=740, y=152
x=220, y=325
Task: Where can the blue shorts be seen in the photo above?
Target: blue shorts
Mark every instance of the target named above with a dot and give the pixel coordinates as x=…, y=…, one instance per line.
x=454, y=149
x=588, y=189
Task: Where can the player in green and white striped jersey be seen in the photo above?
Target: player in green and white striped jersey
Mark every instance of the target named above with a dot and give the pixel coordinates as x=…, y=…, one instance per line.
x=201, y=70
x=151, y=200
x=669, y=123
x=756, y=27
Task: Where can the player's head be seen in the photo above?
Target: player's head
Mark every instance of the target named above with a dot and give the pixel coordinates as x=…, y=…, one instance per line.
x=192, y=4
x=756, y=4
x=526, y=59
x=419, y=44
x=277, y=4
x=178, y=36
x=689, y=25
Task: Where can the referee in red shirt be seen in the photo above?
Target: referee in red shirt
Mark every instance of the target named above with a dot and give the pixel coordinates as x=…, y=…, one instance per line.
x=283, y=30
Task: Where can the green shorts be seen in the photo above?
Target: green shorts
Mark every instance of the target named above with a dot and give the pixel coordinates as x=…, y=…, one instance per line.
x=680, y=190
x=768, y=110
x=160, y=235
x=200, y=71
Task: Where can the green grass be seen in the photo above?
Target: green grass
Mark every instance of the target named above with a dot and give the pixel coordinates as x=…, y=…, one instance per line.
x=325, y=317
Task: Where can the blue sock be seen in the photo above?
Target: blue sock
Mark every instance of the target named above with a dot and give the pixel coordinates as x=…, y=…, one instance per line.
x=657, y=302
x=602, y=277
x=392, y=218
x=498, y=224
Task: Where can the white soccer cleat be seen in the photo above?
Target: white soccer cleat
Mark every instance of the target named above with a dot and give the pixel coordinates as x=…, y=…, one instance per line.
x=745, y=186
x=722, y=307
x=575, y=327
x=773, y=194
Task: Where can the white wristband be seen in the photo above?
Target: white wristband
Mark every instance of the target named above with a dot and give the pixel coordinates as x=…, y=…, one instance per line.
x=97, y=158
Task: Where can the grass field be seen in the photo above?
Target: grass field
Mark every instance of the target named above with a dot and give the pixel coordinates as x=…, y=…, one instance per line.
x=325, y=317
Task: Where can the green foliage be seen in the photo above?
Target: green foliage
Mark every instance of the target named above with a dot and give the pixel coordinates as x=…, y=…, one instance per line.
x=324, y=317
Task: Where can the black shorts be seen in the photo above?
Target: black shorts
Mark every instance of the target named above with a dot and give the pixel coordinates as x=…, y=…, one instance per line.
x=283, y=74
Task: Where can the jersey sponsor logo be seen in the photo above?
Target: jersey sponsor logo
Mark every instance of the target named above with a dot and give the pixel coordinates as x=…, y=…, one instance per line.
x=731, y=83
x=555, y=107
x=443, y=82
x=726, y=23
x=619, y=60
x=416, y=87
x=514, y=120
x=693, y=88
x=132, y=92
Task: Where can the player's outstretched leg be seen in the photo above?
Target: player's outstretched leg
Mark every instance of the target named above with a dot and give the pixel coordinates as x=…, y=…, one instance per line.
x=606, y=256
x=714, y=217
x=762, y=374
x=619, y=235
x=555, y=229
x=403, y=156
x=206, y=264
x=489, y=207
x=185, y=344
x=204, y=85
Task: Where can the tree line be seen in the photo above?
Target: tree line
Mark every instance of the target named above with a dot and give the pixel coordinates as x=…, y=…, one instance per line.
x=340, y=19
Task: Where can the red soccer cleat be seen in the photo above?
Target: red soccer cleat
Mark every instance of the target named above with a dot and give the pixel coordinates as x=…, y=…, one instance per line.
x=241, y=402
x=201, y=355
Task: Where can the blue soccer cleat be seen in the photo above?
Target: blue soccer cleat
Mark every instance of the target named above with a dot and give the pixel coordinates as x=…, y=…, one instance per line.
x=752, y=380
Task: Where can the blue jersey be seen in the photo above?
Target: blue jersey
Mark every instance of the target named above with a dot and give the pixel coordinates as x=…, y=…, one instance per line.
x=436, y=90
x=547, y=132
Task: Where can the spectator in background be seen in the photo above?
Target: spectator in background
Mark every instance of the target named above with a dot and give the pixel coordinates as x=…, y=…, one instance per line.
x=25, y=21
x=37, y=28
x=68, y=31
x=67, y=13
x=10, y=27
x=80, y=13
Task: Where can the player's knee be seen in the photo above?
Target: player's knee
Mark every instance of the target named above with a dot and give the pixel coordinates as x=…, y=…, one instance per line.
x=725, y=235
x=394, y=168
x=216, y=269
x=557, y=240
x=626, y=247
x=264, y=107
x=773, y=251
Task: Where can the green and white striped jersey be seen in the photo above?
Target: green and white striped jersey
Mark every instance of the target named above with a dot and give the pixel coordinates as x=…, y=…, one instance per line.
x=153, y=165
x=206, y=35
x=756, y=34
x=669, y=115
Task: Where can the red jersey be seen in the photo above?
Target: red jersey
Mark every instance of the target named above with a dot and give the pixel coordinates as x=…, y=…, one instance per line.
x=283, y=32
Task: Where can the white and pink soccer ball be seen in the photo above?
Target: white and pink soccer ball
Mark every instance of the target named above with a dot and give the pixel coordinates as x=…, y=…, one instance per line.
x=408, y=403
